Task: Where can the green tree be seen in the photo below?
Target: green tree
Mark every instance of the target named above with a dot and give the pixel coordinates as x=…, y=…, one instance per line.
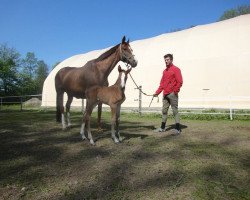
x=240, y=10
x=41, y=75
x=28, y=76
x=20, y=76
x=9, y=63
x=30, y=64
x=26, y=84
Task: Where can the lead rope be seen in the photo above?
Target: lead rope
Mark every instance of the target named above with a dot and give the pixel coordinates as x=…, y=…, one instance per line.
x=137, y=87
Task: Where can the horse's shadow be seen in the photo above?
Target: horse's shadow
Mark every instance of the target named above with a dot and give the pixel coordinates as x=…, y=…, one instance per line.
x=126, y=131
x=128, y=136
x=98, y=135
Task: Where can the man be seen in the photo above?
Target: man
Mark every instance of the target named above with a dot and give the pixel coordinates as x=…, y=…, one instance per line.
x=170, y=84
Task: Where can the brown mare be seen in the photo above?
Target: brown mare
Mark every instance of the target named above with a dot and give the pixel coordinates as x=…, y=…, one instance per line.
x=113, y=96
x=75, y=81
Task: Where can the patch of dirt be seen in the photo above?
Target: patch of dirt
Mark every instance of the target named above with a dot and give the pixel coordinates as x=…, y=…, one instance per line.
x=12, y=192
x=33, y=102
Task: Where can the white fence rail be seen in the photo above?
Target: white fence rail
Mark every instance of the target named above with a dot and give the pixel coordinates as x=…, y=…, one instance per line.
x=231, y=111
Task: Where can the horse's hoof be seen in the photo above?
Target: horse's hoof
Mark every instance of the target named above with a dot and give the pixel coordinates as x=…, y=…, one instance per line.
x=92, y=142
x=83, y=136
x=116, y=141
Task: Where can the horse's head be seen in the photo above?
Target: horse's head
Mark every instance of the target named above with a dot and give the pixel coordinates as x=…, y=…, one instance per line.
x=123, y=75
x=126, y=52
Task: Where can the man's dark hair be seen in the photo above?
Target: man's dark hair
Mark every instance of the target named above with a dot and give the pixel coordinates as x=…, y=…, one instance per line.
x=169, y=55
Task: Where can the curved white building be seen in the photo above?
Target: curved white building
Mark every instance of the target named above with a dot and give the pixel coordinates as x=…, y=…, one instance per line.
x=214, y=60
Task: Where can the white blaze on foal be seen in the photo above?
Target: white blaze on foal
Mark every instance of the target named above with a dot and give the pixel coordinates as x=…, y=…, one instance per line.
x=123, y=80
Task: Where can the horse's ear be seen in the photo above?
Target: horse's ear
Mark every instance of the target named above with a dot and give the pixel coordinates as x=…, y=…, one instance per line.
x=128, y=41
x=123, y=39
x=119, y=68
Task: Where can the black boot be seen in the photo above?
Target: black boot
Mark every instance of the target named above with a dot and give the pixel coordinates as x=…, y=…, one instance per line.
x=163, y=125
x=178, y=128
x=162, y=129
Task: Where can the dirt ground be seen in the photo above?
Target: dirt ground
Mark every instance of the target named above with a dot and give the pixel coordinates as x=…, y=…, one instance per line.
x=209, y=160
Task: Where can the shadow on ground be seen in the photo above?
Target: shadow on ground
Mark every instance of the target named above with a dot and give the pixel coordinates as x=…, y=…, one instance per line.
x=54, y=164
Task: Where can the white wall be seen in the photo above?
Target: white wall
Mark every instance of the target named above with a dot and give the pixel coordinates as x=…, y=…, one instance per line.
x=214, y=56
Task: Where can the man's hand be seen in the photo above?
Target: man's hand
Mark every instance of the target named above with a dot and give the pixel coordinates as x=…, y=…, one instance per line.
x=155, y=95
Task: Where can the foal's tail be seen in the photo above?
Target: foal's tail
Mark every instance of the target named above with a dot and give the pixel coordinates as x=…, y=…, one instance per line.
x=58, y=107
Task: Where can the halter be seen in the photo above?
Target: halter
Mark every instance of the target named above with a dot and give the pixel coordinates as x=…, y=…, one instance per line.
x=124, y=57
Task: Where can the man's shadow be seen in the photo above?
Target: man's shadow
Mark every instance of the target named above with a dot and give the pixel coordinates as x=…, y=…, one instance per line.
x=173, y=127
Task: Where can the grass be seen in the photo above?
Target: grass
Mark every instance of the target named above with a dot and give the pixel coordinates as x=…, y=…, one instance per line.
x=209, y=160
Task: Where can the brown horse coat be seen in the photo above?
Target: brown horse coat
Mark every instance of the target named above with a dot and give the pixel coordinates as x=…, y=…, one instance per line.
x=75, y=81
x=113, y=96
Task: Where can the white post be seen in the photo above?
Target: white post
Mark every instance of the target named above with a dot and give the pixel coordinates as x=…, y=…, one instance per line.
x=140, y=100
x=230, y=108
x=82, y=105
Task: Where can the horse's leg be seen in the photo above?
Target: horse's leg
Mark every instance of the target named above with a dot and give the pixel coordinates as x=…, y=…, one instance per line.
x=61, y=107
x=118, y=122
x=86, y=121
x=89, y=131
x=82, y=130
x=113, y=123
x=89, y=109
x=59, y=102
x=99, y=117
x=69, y=101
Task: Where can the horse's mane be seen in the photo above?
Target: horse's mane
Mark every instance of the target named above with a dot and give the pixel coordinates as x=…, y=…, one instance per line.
x=107, y=53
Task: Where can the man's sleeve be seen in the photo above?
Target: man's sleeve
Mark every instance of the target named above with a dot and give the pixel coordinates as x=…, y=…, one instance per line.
x=179, y=81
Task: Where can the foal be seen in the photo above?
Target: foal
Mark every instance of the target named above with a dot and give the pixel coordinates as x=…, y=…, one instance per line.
x=113, y=96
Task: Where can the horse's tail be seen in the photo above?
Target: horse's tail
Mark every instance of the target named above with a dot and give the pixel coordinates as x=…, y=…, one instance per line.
x=59, y=98
x=58, y=107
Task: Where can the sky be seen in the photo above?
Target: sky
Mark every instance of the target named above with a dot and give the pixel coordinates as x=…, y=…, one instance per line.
x=58, y=29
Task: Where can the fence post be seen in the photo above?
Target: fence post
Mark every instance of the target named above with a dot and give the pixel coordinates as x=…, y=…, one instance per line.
x=140, y=100
x=21, y=100
x=230, y=110
x=231, y=114
x=82, y=105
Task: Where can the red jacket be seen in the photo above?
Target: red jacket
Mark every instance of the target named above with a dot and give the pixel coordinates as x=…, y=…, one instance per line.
x=171, y=81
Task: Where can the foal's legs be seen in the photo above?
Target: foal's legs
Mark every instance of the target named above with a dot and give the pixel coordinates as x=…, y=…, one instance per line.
x=86, y=120
x=83, y=122
x=83, y=127
x=69, y=101
x=118, y=122
x=99, y=116
x=113, y=123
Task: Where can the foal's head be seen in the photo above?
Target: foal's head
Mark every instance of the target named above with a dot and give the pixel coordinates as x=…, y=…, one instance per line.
x=123, y=75
x=126, y=53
